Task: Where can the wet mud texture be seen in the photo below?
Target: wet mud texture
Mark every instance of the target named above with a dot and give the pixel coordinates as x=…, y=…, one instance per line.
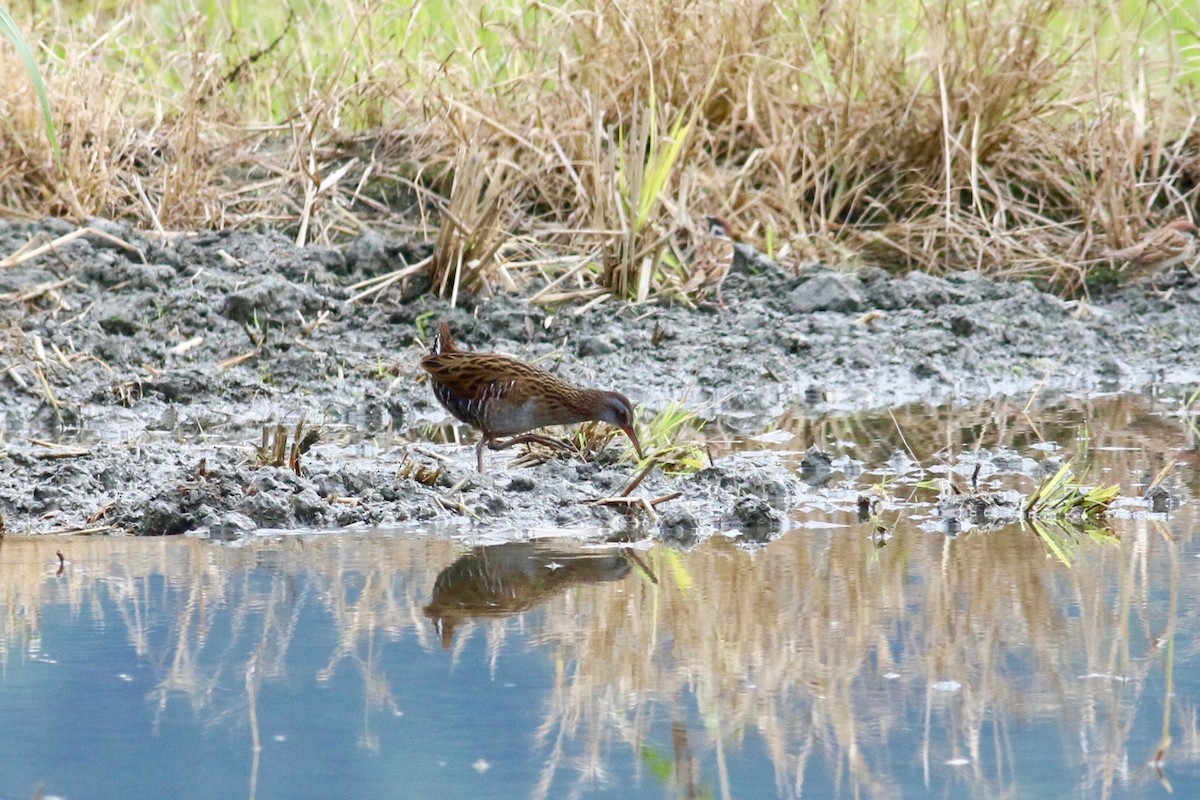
x=137, y=377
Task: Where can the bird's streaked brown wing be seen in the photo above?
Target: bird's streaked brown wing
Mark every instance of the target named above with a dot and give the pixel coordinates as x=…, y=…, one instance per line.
x=472, y=374
x=484, y=389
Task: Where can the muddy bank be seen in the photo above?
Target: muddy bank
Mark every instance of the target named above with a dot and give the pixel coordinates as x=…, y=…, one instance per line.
x=138, y=371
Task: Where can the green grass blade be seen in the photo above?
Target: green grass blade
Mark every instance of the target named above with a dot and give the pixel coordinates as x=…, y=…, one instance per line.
x=662, y=161
x=1048, y=495
x=21, y=45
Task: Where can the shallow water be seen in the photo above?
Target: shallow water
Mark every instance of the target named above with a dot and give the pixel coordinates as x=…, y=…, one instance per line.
x=873, y=658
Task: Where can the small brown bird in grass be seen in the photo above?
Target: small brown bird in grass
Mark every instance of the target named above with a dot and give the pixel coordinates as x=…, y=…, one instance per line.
x=1172, y=244
x=712, y=259
x=502, y=396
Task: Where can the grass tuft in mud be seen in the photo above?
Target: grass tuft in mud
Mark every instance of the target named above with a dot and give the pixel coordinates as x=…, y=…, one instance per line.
x=668, y=438
x=425, y=474
x=277, y=450
x=1058, y=497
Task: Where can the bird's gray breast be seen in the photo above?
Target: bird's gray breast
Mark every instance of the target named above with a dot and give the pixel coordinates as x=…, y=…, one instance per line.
x=508, y=417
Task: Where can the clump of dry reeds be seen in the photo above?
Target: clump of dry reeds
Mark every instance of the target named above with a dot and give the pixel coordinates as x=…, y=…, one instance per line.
x=1019, y=137
x=276, y=450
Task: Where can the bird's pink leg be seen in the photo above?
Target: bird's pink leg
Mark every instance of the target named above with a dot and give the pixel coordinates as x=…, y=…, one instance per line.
x=479, y=452
x=531, y=438
x=492, y=443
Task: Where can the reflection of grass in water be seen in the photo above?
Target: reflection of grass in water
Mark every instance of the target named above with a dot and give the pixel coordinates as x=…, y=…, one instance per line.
x=1063, y=538
x=1119, y=434
x=791, y=643
x=370, y=598
x=763, y=647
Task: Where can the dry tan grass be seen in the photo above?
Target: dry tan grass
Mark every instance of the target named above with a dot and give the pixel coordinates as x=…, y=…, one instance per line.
x=1013, y=136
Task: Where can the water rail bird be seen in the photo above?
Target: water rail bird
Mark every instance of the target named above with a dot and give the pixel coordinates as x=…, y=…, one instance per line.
x=503, y=396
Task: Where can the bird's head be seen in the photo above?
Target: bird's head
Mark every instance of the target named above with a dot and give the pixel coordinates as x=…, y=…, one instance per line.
x=719, y=227
x=615, y=409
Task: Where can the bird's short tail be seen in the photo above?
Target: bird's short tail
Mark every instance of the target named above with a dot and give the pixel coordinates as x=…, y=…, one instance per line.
x=443, y=340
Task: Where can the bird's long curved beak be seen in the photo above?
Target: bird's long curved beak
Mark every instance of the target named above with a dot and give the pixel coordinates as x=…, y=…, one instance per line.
x=633, y=438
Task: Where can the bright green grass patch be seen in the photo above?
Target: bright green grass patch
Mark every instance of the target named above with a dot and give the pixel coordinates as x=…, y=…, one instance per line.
x=263, y=60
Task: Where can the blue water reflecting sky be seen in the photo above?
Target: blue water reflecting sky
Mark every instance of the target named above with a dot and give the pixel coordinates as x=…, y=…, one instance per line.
x=377, y=665
x=84, y=719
